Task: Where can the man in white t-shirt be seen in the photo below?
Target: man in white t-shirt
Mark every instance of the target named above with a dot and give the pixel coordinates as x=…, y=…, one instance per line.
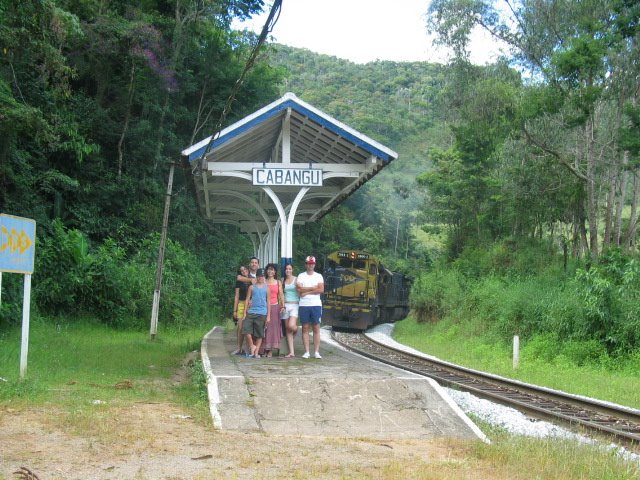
x=310, y=285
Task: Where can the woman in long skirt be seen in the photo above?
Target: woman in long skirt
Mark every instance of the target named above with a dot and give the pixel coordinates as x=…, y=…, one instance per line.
x=274, y=330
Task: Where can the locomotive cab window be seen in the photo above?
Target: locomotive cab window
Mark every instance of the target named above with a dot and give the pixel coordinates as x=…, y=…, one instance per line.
x=357, y=264
x=330, y=268
x=373, y=270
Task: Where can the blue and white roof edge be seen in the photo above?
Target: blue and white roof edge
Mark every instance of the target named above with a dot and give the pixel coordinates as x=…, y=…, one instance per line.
x=290, y=100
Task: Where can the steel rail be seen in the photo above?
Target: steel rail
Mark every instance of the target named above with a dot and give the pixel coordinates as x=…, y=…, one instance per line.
x=620, y=422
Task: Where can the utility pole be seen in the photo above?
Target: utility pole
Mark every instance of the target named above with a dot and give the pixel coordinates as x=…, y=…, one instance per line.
x=395, y=248
x=163, y=241
x=406, y=252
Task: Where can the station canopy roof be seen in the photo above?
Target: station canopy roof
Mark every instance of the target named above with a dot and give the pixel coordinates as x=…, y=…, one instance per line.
x=287, y=133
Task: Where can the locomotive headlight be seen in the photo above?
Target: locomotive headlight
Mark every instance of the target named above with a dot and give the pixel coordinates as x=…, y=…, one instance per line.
x=334, y=291
x=362, y=293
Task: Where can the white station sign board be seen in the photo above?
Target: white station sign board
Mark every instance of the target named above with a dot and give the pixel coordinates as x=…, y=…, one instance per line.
x=287, y=177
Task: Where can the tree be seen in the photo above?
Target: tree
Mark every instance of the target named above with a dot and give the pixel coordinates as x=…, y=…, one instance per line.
x=573, y=52
x=465, y=186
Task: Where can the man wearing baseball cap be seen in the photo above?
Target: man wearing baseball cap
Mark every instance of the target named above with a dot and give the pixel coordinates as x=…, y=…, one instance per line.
x=310, y=285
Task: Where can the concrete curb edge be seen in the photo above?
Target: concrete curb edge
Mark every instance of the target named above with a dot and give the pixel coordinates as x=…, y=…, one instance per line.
x=212, y=382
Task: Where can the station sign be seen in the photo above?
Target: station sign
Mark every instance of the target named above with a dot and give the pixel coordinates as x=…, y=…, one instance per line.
x=17, y=244
x=287, y=177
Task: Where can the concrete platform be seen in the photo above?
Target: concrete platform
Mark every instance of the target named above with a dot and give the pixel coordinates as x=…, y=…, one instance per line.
x=342, y=394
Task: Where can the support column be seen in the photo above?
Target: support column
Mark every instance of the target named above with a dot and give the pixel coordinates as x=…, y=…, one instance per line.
x=288, y=253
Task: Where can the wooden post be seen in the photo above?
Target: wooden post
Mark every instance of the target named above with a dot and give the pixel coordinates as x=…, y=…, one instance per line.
x=163, y=239
x=516, y=352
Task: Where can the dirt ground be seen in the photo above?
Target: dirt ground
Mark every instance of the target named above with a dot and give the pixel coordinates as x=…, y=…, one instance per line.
x=161, y=441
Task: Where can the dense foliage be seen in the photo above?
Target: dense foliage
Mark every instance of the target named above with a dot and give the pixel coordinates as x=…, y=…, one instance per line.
x=96, y=98
x=513, y=200
x=536, y=149
x=506, y=291
x=553, y=152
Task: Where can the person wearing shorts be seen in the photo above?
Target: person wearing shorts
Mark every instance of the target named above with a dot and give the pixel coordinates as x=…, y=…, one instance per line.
x=290, y=314
x=239, y=304
x=310, y=285
x=257, y=314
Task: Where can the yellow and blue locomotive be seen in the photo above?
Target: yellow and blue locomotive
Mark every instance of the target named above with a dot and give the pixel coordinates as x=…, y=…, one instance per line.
x=360, y=292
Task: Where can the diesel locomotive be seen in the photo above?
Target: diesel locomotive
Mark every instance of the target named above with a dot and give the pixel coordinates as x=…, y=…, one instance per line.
x=360, y=292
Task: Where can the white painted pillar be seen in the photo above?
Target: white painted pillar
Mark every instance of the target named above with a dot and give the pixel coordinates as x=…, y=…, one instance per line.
x=292, y=216
x=282, y=216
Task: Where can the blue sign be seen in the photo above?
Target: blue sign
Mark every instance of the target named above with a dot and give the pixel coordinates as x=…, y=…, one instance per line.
x=17, y=244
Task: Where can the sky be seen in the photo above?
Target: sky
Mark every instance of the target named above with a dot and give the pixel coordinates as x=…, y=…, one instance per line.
x=363, y=30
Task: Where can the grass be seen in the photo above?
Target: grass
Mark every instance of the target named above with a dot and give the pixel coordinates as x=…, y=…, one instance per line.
x=507, y=453
x=461, y=344
x=72, y=366
x=524, y=458
x=75, y=364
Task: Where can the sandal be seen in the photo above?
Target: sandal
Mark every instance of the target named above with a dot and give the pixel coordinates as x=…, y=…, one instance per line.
x=290, y=355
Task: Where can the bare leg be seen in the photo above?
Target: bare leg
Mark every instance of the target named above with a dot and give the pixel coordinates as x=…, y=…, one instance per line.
x=240, y=335
x=257, y=348
x=305, y=337
x=250, y=344
x=316, y=337
x=292, y=329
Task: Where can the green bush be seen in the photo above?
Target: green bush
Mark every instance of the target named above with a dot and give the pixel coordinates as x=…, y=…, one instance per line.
x=507, y=258
x=483, y=297
x=61, y=264
x=549, y=348
x=118, y=291
x=610, y=292
x=187, y=297
x=525, y=291
x=12, y=297
x=586, y=352
x=434, y=294
x=74, y=280
x=544, y=347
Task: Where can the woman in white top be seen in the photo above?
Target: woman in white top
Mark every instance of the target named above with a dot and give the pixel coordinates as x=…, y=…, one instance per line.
x=291, y=299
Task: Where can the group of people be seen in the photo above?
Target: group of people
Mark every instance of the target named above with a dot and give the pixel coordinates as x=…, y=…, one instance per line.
x=265, y=308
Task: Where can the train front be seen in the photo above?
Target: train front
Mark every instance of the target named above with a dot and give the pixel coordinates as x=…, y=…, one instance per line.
x=350, y=290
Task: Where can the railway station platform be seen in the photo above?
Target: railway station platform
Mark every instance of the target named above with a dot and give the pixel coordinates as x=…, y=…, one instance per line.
x=342, y=394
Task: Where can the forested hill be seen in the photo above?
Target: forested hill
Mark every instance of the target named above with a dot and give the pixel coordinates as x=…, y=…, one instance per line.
x=395, y=103
x=399, y=104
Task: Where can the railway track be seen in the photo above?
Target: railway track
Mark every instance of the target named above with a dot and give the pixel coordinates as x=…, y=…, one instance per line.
x=591, y=415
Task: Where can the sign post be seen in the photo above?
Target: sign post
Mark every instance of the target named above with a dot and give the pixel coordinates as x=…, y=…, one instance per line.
x=17, y=255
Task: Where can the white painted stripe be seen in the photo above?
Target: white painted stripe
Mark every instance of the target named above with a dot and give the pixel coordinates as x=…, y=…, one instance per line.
x=454, y=406
x=212, y=383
